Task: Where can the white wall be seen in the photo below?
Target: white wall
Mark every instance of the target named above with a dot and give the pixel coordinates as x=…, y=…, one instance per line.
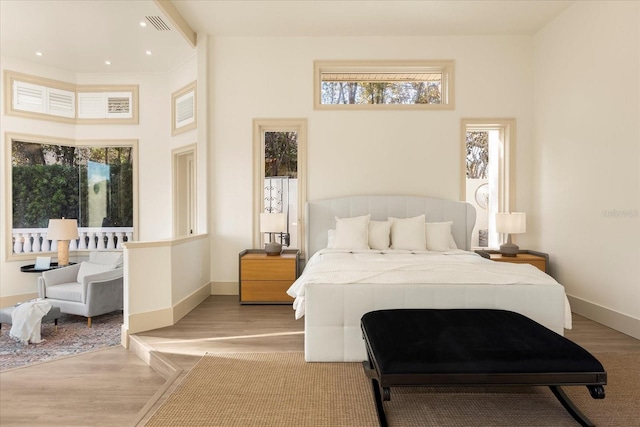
x=405, y=152
x=586, y=179
x=154, y=162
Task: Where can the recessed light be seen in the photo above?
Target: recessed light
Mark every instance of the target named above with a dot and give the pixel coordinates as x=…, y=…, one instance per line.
x=148, y=52
x=107, y=62
x=143, y=24
x=38, y=53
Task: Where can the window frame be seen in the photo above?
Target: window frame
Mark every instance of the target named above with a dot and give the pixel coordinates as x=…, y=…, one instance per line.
x=260, y=126
x=10, y=137
x=445, y=66
x=506, y=162
x=176, y=128
x=54, y=85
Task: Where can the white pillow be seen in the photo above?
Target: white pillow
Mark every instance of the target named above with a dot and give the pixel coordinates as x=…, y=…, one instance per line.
x=439, y=237
x=379, y=234
x=89, y=268
x=408, y=233
x=331, y=236
x=352, y=233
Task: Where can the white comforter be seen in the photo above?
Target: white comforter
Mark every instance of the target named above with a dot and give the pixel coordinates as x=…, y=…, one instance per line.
x=413, y=267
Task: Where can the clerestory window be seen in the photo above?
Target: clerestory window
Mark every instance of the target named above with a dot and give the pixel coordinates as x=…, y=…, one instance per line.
x=384, y=84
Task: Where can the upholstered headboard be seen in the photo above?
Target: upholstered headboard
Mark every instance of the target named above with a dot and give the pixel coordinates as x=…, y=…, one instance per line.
x=320, y=215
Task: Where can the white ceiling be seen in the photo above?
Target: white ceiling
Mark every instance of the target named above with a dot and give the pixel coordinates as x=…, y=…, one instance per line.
x=80, y=35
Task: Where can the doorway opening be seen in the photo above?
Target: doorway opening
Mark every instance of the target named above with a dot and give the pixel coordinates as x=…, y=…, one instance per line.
x=279, y=177
x=184, y=194
x=488, y=183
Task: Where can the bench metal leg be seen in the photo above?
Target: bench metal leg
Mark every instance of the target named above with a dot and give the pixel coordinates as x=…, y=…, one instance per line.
x=571, y=407
x=371, y=374
x=382, y=418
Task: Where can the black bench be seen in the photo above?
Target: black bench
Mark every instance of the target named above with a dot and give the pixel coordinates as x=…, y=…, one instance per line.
x=473, y=347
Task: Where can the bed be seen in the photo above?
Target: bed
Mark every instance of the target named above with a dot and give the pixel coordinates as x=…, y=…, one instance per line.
x=341, y=283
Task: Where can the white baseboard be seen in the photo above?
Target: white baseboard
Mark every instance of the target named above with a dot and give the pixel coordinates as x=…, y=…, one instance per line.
x=620, y=322
x=224, y=288
x=183, y=308
x=141, y=322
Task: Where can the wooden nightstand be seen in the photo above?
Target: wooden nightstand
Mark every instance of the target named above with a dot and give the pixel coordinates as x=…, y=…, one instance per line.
x=265, y=279
x=537, y=259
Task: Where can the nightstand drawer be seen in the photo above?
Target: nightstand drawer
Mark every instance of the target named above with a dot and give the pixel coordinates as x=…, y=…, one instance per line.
x=265, y=279
x=541, y=264
x=266, y=291
x=276, y=269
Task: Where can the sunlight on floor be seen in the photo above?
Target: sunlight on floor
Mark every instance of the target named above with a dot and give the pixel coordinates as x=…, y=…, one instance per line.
x=228, y=344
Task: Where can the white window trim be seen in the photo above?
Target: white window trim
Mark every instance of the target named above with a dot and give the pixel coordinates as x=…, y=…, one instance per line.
x=176, y=154
x=260, y=126
x=190, y=89
x=406, y=66
x=506, y=166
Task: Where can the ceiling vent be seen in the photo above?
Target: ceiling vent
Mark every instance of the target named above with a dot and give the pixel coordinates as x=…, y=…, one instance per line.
x=157, y=22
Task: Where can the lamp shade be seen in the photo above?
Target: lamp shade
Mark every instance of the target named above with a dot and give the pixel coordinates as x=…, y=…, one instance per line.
x=511, y=223
x=273, y=222
x=62, y=229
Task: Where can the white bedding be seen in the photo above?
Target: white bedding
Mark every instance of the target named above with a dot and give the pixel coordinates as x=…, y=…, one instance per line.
x=456, y=267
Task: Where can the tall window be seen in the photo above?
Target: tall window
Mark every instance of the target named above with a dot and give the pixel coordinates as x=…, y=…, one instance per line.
x=488, y=181
x=90, y=183
x=279, y=176
x=371, y=84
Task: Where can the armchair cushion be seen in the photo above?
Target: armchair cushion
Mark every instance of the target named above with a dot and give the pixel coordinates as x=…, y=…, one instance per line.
x=90, y=268
x=67, y=292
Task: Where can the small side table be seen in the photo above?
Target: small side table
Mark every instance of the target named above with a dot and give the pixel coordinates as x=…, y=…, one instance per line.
x=31, y=268
x=265, y=279
x=537, y=259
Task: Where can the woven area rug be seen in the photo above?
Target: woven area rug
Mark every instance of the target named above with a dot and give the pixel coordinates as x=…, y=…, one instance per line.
x=72, y=337
x=281, y=389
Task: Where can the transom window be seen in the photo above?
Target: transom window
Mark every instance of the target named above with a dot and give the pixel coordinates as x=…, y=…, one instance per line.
x=391, y=84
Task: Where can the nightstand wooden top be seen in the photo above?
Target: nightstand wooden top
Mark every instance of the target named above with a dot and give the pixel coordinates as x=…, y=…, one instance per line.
x=260, y=254
x=519, y=257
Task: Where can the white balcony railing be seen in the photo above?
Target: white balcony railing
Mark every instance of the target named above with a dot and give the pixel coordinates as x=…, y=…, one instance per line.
x=34, y=240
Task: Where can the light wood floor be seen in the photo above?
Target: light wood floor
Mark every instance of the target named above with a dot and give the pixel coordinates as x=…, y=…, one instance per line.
x=114, y=387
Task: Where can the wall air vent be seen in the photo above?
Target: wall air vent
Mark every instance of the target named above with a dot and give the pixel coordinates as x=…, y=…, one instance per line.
x=157, y=22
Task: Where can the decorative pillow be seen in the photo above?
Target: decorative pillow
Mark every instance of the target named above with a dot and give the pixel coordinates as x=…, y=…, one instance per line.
x=331, y=237
x=379, y=233
x=408, y=233
x=452, y=242
x=352, y=233
x=439, y=237
x=89, y=268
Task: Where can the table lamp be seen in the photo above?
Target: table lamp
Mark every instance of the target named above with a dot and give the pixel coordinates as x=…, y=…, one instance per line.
x=273, y=223
x=63, y=230
x=510, y=223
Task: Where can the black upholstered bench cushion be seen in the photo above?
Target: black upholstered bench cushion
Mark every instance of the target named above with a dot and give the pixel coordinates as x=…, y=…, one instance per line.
x=468, y=341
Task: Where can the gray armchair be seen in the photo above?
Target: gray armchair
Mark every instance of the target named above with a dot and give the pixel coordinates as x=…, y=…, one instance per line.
x=88, y=289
